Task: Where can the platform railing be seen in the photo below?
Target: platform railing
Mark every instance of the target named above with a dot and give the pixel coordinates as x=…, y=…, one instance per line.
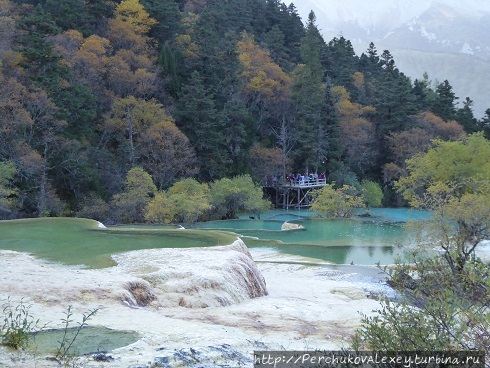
x=306, y=182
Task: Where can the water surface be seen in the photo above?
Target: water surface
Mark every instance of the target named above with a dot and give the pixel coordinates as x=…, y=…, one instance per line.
x=89, y=340
x=365, y=240
x=75, y=241
x=378, y=238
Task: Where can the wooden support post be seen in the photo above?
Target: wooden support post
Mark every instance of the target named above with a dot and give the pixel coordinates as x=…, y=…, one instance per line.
x=295, y=193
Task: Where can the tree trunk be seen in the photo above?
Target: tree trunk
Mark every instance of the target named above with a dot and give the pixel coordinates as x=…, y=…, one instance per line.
x=129, y=122
x=41, y=205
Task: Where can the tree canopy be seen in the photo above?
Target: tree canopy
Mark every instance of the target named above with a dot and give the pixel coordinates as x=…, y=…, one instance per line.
x=443, y=299
x=448, y=169
x=91, y=89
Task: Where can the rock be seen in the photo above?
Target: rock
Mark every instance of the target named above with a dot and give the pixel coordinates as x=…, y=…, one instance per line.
x=364, y=214
x=206, y=357
x=162, y=362
x=291, y=226
x=351, y=293
x=102, y=357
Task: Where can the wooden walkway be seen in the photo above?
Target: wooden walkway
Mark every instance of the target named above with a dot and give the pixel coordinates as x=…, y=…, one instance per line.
x=318, y=183
x=296, y=193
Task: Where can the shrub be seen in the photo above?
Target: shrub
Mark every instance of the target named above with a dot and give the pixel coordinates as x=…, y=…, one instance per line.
x=238, y=194
x=128, y=206
x=18, y=323
x=373, y=195
x=185, y=202
x=438, y=310
x=339, y=202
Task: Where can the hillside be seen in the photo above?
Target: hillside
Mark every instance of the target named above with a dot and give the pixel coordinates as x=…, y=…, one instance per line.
x=463, y=71
x=446, y=39
x=99, y=98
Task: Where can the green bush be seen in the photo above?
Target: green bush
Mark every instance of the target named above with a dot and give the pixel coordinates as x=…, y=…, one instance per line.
x=128, y=206
x=438, y=310
x=18, y=324
x=444, y=298
x=339, y=202
x=373, y=194
x=238, y=194
x=185, y=202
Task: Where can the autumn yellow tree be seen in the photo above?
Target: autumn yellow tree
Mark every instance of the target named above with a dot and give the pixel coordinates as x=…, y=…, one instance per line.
x=134, y=13
x=129, y=205
x=129, y=119
x=90, y=62
x=87, y=59
x=167, y=154
x=184, y=42
x=123, y=63
x=130, y=26
x=266, y=85
x=357, y=132
x=184, y=202
x=132, y=66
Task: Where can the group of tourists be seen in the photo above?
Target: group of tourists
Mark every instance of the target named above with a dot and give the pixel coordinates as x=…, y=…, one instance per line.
x=306, y=177
x=299, y=178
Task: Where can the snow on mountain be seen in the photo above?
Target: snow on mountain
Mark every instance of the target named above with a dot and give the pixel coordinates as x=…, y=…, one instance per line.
x=453, y=32
x=370, y=16
x=444, y=29
x=382, y=15
x=448, y=25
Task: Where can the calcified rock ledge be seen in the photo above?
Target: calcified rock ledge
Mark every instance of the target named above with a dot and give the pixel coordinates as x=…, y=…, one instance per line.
x=291, y=226
x=195, y=307
x=191, y=277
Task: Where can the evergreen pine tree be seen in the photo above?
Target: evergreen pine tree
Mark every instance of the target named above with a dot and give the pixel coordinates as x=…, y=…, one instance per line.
x=485, y=123
x=465, y=117
x=198, y=119
x=445, y=101
x=168, y=17
x=316, y=120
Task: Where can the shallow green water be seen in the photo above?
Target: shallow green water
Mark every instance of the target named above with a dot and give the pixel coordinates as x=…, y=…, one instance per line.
x=89, y=340
x=80, y=242
x=362, y=240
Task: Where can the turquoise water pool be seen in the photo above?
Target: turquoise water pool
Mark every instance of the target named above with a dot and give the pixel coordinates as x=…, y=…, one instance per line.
x=360, y=240
x=364, y=240
x=89, y=340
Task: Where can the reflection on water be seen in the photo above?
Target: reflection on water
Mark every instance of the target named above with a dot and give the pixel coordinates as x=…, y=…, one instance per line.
x=379, y=237
x=361, y=240
x=359, y=255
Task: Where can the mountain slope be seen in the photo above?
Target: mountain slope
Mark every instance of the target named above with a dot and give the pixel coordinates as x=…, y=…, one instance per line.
x=447, y=39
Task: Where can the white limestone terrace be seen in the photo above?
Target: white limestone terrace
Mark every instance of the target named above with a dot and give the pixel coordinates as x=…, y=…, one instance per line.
x=215, y=303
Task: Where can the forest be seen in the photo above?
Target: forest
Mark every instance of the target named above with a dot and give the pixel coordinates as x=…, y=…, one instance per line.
x=96, y=93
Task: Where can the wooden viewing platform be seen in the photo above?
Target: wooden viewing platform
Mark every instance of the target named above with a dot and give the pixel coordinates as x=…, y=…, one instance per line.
x=295, y=193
